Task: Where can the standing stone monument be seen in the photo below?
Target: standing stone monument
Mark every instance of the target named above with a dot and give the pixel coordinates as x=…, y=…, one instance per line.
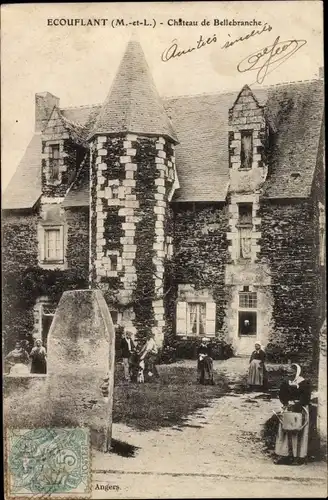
x=81, y=350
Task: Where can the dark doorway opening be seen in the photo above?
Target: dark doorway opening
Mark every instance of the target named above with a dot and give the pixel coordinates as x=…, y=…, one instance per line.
x=247, y=323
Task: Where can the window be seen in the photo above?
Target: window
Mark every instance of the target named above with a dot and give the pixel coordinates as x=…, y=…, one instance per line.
x=245, y=227
x=54, y=162
x=246, y=153
x=113, y=262
x=247, y=323
x=197, y=318
x=44, y=311
x=247, y=300
x=114, y=316
x=53, y=245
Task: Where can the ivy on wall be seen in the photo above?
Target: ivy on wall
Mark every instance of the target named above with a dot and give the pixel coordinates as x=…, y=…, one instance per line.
x=201, y=252
x=74, y=154
x=93, y=218
x=115, y=148
x=24, y=281
x=20, y=248
x=287, y=245
x=145, y=189
x=77, y=251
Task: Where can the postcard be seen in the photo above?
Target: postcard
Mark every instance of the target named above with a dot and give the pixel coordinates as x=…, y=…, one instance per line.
x=163, y=222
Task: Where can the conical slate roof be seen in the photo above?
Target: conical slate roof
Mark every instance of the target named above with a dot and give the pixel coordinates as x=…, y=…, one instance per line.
x=133, y=104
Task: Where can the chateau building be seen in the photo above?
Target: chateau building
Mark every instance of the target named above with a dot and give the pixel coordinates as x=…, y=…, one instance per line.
x=196, y=215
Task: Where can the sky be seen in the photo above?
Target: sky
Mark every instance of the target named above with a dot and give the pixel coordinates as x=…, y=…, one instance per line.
x=78, y=63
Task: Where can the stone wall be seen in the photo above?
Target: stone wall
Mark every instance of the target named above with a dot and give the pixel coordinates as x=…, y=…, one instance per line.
x=287, y=247
x=201, y=254
x=77, y=251
x=20, y=252
x=71, y=156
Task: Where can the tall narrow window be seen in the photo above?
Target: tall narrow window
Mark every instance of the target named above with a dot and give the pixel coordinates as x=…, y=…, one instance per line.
x=113, y=262
x=246, y=153
x=53, y=245
x=54, y=162
x=247, y=314
x=245, y=225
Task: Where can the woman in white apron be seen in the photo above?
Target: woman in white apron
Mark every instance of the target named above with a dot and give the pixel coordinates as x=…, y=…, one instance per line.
x=295, y=395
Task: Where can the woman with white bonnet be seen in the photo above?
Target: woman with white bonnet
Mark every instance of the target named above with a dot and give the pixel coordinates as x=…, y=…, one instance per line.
x=293, y=432
x=38, y=356
x=257, y=372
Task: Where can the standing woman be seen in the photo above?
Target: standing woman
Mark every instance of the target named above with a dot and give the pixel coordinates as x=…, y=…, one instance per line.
x=295, y=396
x=18, y=361
x=39, y=358
x=205, y=363
x=257, y=374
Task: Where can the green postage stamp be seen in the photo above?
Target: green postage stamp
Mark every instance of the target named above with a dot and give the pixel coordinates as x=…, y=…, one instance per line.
x=48, y=462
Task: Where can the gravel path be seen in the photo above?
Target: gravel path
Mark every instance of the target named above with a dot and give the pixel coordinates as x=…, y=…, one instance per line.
x=223, y=439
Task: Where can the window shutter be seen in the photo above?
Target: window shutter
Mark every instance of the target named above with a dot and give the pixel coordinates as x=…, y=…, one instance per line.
x=181, y=320
x=42, y=243
x=61, y=236
x=210, y=318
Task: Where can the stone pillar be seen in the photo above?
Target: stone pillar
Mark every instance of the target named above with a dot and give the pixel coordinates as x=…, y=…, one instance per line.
x=81, y=351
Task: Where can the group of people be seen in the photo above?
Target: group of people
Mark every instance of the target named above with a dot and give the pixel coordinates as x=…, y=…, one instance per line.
x=295, y=422
x=295, y=425
x=21, y=362
x=139, y=362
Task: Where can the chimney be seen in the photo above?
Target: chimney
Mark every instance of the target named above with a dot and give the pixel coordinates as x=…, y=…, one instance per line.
x=321, y=72
x=44, y=104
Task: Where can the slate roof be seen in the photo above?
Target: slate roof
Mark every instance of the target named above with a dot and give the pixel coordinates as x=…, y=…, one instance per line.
x=297, y=112
x=133, y=104
x=24, y=188
x=294, y=110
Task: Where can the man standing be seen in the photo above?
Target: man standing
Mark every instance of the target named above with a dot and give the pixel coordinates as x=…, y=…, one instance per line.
x=127, y=347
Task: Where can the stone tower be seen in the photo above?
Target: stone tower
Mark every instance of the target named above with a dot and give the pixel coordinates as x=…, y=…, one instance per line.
x=133, y=177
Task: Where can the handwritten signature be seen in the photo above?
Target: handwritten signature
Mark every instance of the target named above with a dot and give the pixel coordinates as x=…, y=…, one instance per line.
x=262, y=59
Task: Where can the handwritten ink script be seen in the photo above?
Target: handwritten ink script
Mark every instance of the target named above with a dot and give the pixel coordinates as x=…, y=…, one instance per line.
x=229, y=43
x=175, y=51
x=261, y=60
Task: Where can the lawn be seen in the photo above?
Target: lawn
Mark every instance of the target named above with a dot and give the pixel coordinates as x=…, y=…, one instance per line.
x=166, y=401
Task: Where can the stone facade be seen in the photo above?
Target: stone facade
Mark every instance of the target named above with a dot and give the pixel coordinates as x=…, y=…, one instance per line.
x=235, y=253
